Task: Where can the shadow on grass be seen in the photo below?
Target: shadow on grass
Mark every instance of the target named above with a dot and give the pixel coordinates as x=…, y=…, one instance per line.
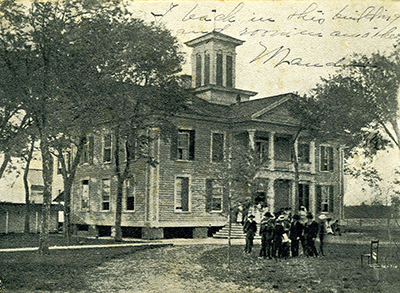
x=61, y=270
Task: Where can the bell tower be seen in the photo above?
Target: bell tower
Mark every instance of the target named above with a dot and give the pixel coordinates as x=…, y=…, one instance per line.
x=214, y=68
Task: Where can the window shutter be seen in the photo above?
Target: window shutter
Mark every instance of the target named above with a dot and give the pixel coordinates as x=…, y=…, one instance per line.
x=191, y=144
x=318, y=199
x=209, y=189
x=330, y=163
x=225, y=200
x=174, y=145
x=91, y=149
x=331, y=199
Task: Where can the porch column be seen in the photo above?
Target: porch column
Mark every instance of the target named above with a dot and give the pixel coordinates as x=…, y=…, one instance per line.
x=312, y=207
x=271, y=150
x=312, y=157
x=7, y=222
x=296, y=150
x=252, y=133
x=293, y=196
x=271, y=195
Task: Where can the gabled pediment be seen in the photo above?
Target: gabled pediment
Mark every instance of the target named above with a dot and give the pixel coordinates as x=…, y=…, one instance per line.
x=276, y=112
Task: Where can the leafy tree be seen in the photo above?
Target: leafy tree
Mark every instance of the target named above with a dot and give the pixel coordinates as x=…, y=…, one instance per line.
x=237, y=174
x=361, y=100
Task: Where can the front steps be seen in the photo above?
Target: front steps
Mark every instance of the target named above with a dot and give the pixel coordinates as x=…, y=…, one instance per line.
x=236, y=232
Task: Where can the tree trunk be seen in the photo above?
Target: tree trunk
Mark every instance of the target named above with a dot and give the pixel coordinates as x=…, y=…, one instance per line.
x=7, y=158
x=120, y=182
x=68, y=180
x=26, y=186
x=47, y=164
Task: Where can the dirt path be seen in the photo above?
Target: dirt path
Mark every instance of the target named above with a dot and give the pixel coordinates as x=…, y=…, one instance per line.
x=171, y=269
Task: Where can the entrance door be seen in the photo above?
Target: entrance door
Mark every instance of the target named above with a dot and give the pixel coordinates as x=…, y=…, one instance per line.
x=282, y=194
x=304, y=196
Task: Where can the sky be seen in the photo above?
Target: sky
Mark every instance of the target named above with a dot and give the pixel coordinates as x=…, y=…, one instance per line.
x=288, y=45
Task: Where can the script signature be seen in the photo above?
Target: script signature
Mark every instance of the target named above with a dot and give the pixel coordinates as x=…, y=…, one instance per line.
x=282, y=56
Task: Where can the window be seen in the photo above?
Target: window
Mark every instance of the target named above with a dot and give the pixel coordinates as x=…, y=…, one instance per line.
x=129, y=194
x=303, y=152
x=87, y=151
x=198, y=70
x=229, y=71
x=107, y=148
x=105, y=195
x=219, y=70
x=217, y=147
x=185, y=146
x=325, y=198
x=207, y=69
x=67, y=159
x=214, y=195
x=304, y=195
x=326, y=158
x=261, y=146
x=85, y=195
x=283, y=149
x=182, y=194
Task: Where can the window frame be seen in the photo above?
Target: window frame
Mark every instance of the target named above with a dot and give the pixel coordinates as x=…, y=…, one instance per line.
x=84, y=192
x=189, y=196
x=212, y=146
x=329, y=201
x=191, y=145
x=260, y=142
x=326, y=161
x=102, y=195
x=108, y=148
x=132, y=188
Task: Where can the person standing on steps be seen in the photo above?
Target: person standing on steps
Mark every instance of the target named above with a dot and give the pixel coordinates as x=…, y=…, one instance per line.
x=250, y=229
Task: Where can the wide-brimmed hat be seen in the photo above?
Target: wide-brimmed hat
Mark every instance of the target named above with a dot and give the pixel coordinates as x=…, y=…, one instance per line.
x=322, y=217
x=281, y=218
x=268, y=215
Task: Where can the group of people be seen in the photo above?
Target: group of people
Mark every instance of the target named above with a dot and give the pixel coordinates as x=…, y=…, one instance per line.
x=282, y=234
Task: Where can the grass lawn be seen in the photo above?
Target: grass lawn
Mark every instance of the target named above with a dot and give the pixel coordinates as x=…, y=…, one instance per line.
x=339, y=271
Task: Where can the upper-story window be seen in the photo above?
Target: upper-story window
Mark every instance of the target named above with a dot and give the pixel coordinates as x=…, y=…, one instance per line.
x=219, y=72
x=303, y=152
x=183, y=145
x=198, y=70
x=326, y=158
x=261, y=147
x=87, y=151
x=217, y=147
x=229, y=71
x=107, y=148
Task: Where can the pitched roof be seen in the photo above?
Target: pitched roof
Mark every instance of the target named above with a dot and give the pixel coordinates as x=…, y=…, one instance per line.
x=249, y=110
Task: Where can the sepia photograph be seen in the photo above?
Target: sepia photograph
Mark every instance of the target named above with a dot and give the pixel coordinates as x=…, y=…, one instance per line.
x=199, y=146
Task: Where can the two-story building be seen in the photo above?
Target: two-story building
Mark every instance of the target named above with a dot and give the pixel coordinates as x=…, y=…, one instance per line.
x=177, y=197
